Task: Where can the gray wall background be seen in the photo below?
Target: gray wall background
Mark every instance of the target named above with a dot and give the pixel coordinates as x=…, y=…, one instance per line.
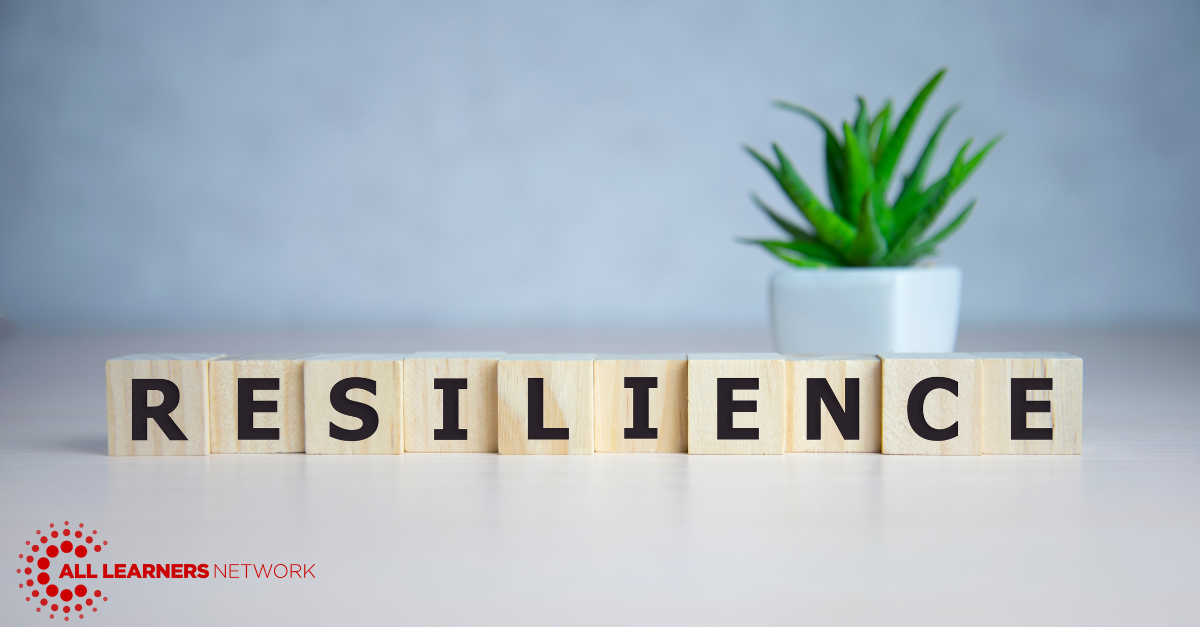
x=286, y=164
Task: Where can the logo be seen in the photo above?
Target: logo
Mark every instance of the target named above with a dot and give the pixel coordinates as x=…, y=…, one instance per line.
x=46, y=552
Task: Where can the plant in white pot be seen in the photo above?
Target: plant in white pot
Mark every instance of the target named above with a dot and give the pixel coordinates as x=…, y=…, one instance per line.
x=852, y=286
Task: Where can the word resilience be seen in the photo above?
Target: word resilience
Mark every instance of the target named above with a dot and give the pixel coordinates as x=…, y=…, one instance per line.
x=712, y=403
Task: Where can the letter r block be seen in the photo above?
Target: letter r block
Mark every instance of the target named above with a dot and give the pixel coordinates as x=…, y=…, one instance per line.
x=450, y=402
x=1032, y=403
x=737, y=403
x=931, y=404
x=641, y=403
x=256, y=404
x=834, y=403
x=353, y=404
x=158, y=404
x=544, y=404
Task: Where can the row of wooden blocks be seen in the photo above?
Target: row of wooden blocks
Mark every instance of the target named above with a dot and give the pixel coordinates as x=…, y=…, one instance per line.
x=918, y=404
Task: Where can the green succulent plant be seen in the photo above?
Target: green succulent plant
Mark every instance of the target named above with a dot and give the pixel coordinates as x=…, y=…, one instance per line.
x=864, y=228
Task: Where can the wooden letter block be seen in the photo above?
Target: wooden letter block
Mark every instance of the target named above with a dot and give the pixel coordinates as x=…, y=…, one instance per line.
x=256, y=404
x=834, y=403
x=641, y=403
x=158, y=404
x=545, y=404
x=450, y=402
x=737, y=403
x=931, y=404
x=1032, y=403
x=352, y=405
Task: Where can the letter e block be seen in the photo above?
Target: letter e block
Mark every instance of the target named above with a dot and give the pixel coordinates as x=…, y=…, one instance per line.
x=545, y=404
x=353, y=405
x=256, y=404
x=737, y=404
x=1032, y=403
x=641, y=403
x=450, y=402
x=931, y=404
x=158, y=404
x=834, y=403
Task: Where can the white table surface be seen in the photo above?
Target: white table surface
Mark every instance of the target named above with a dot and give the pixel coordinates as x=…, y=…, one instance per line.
x=1110, y=537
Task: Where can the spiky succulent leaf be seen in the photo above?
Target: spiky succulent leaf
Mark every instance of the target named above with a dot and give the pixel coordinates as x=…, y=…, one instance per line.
x=879, y=130
x=914, y=217
x=869, y=245
x=908, y=255
x=862, y=124
x=835, y=161
x=796, y=231
x=793, y=257
x=831, y=228
x=813, y=250
x=895, y=144
x=916, y=178
x=859, y=175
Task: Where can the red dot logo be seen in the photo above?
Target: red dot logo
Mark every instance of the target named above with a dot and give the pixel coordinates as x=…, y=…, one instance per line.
x=71, y=599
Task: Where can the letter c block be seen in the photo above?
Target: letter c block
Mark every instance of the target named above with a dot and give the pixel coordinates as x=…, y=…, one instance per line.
x=931, y=404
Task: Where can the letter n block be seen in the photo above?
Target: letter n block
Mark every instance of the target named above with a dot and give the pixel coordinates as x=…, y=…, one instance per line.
x=158, y=404
x=641, y=403
x=737, y=403
x=931, y=404
x=1032, y=403
x=450, y=402
x=834, y=403
x=545, y=404
x=353, y=405
x=256, y=404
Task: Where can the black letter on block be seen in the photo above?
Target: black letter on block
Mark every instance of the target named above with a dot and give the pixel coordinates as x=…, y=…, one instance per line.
x=641, y=429
x=247, y=406
x=726, y=406
x=916, y=409
x=362, y=411
x=449, y=388
x=1021, y=405
x=819, y=391
x=536, y=430
x=161, y=413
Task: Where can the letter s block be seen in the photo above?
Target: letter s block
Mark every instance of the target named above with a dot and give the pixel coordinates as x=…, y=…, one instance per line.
x=931, y=404
x=256, y=404
x=737, y=404
x=1032, y=403
x=158, y=404
x=353, y=405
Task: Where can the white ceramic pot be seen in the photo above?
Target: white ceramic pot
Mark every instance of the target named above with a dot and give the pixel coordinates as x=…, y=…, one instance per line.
x=866, y=310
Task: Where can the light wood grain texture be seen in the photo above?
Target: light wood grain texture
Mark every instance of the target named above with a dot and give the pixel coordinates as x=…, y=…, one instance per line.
x=566, y=394
x=832, y=372
x=763, y=408
x=288, y=417
x=188, y=373
x=322, y=373
x=425, y=404
x=1064, y=418
x=666, y=403
x=943, y=411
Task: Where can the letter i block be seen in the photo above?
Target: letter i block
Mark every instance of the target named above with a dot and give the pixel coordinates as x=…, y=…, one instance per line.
x=450, y=402
x=353, y=405
x=544, y=404
x=641, y=403
x=158, y=404
x=737, y=403
x=931, y=404
x=1032, y=403
x=834, y=403
x=256, y=404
